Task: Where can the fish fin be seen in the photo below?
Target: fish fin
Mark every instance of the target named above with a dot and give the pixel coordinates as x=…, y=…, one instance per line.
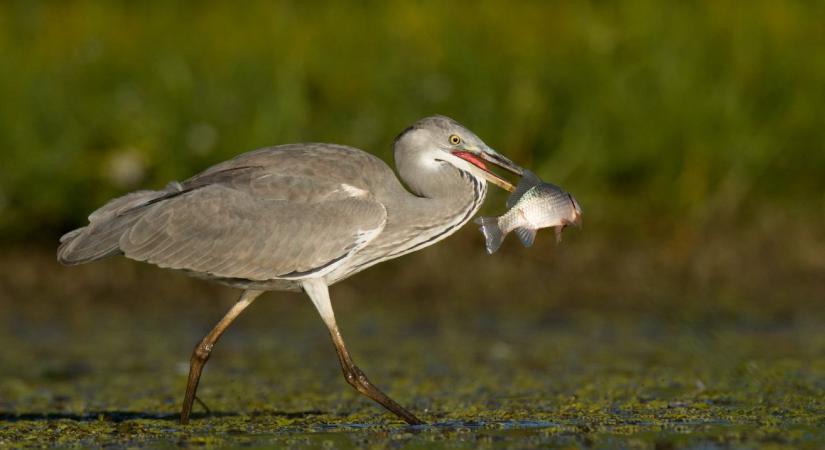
x=576, y=204
x=527, y=236
x=558, y=229
x=492, y=233
x=577, y=209
x=528, y=180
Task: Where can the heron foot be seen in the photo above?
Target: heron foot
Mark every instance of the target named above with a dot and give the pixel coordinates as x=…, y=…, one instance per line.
x=358, y=379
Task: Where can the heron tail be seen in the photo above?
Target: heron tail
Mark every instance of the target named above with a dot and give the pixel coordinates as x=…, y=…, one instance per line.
x=101, y=237
x=492, y=233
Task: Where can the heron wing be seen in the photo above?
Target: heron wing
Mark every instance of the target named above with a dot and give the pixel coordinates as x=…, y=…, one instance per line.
x=255, y=224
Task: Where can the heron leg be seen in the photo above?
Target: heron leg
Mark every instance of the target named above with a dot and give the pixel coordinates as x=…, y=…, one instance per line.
x=319, y=294
x=204, y=348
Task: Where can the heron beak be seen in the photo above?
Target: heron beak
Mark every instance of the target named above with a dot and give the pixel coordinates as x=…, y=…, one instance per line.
x=486, y=154
x=480, y=156
x=500, y=160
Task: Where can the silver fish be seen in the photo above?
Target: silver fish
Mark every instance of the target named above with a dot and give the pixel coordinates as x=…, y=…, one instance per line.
x=534, y=204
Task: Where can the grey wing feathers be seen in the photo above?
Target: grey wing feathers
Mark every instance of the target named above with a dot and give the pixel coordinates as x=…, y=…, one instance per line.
x=277, y=212
x=100, y=238
x=231, y=234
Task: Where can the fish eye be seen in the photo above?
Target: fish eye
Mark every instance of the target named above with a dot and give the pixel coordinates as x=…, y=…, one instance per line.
x=454, y=139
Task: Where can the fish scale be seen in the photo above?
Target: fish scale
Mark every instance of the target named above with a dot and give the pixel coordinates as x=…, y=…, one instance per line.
x=534, y=205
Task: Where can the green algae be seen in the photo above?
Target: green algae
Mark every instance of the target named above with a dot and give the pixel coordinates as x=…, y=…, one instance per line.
x=669, y=368
x=592, y=382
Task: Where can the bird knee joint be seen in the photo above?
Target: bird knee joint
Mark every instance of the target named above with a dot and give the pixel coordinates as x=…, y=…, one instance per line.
x=202, y=351
x=357, y=379
x=351, y=378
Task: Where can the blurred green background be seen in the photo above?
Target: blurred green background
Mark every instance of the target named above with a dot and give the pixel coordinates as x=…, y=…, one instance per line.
x=693, y=134
x=675, y=114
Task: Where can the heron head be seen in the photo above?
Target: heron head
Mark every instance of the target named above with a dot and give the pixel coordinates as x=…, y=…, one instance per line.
x=438, y=140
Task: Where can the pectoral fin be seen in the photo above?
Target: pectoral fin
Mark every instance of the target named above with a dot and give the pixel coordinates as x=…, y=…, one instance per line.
x=527, y=236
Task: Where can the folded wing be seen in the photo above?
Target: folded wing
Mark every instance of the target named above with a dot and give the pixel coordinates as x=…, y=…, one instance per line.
x=246, y=223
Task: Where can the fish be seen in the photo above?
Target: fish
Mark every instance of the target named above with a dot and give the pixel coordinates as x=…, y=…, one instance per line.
x=533, y=205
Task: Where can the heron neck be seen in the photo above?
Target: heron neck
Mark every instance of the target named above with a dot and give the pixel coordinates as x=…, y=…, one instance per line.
x=448, y=194
x=416, y=221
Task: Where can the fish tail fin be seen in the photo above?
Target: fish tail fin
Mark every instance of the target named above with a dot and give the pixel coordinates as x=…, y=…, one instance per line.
x=527, y=235
x=492, y=233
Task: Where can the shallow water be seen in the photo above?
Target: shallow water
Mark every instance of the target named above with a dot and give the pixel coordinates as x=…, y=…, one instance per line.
x=99, y=358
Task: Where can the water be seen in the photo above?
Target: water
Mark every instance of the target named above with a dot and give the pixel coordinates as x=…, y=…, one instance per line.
x=100, y=359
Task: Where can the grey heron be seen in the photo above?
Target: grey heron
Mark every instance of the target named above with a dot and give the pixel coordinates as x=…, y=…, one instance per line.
x=299, y=217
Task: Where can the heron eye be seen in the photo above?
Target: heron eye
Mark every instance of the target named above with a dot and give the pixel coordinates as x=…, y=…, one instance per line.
x=455, y=140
